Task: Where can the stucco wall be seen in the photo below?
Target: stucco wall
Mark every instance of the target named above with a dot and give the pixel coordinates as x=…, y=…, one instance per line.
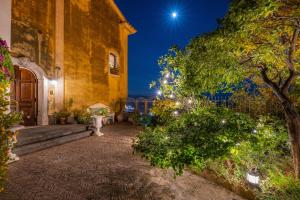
x=33, y=31
x=92, y=30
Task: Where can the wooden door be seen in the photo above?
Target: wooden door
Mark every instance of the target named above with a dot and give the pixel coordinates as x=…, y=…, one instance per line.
x=25, y=94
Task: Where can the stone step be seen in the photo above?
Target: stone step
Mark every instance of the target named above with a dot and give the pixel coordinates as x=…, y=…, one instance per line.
x=50, y=142
x=43, y=133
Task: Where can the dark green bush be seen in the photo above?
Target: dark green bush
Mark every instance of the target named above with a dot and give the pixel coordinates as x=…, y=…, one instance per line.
x=82, y=116
x=194, y=137
x=227, y=143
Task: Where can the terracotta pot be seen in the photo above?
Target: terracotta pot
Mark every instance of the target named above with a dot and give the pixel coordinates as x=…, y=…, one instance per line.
x=62, y=121
x=120, y=117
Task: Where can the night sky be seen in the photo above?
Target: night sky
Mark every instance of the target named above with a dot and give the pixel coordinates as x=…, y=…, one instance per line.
x=158, y=31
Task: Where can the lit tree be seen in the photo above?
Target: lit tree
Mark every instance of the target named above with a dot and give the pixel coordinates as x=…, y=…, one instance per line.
x=257, y=39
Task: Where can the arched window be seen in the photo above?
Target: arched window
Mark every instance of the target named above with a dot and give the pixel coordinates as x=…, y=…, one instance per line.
x=113, y=64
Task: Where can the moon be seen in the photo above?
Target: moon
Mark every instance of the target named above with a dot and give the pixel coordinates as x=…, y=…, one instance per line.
x=174, y=15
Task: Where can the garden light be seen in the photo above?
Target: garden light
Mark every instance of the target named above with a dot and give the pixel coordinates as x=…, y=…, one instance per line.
x=253, y=177
x=165, y=82
x=177, y=103
x=223, y=121
x=159, y=92
x=172, y=96
x=168, y=75
x=254, y=131
x=190, y=101
x=176, y=113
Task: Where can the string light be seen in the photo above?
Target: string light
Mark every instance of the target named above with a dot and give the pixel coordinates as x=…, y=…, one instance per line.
x=159, y=92
x=168, y=75
x=165, y=81
x=190, y=101
x=172, y=96
x=177, y=103
x=223, y=121
x=176, y=113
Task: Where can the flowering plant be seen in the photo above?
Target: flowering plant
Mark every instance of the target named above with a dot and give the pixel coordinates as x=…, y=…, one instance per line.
x=7, y=119
x=6, y=67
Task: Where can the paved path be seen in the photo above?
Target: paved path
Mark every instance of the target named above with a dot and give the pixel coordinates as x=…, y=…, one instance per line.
x=102, y=168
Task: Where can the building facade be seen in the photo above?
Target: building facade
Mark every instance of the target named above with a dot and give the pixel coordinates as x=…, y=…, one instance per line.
x=65, y=50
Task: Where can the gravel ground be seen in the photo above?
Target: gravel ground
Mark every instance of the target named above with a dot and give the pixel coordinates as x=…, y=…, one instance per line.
x=102, y=168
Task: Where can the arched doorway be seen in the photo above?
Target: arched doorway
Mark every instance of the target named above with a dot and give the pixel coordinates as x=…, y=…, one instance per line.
x=24, y=93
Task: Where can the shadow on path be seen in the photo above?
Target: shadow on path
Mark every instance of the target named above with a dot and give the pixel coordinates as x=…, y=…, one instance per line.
x=102, y=168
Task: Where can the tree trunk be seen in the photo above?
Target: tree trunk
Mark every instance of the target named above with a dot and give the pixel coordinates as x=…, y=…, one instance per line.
x=293, y=123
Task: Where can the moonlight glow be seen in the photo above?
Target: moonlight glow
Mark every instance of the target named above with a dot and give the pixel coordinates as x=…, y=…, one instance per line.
x=174, y=15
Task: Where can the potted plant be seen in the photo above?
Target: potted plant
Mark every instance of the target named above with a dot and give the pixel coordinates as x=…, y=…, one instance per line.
x=98, y=114
x=82, y=116
x=119, y=106
x=62, y=116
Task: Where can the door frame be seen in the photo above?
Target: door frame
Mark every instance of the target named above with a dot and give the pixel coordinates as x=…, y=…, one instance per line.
x=42, y=87
x=17, y=88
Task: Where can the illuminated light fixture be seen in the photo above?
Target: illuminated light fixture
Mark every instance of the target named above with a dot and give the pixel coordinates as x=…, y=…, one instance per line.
x=253, y=177
x=53, y=82
x=177, y=103
x=172, y=96
x=165, y=82
x=190, y=101
x=159, y=92
x=254, y=131
x=223, y=121
x=168, y=75
x=176, y=113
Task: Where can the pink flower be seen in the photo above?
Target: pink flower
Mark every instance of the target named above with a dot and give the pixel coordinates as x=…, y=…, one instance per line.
x=1, y=58
x=3, y=44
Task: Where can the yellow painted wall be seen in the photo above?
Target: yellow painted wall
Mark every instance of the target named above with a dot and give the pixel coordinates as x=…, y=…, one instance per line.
x=92, y=30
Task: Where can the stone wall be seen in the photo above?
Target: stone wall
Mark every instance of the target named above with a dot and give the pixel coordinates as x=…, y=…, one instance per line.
x=33, y=31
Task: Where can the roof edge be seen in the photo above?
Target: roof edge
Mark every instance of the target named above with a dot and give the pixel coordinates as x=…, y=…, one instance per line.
x=124, y=21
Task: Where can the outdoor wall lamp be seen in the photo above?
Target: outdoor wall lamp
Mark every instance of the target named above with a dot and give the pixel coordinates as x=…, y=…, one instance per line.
x=57, y=70
x=53, y=82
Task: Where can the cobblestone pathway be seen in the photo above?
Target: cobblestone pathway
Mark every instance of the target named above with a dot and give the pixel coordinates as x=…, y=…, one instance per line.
x=102, y=168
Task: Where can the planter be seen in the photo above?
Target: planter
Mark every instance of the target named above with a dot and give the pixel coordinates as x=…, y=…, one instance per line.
x=71, y=120
x=120, y=117
x=97, y=123
x=62, y=120
x=13, y=157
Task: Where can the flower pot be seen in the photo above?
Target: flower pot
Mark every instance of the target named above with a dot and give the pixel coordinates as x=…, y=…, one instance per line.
x=97, y=122
x=62, y=121
x=120, y=117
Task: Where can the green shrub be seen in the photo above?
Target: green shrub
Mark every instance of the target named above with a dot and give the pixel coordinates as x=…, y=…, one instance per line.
x=227, y=143
x=82, y=116
x=162, y=110
x=194, y=137
x=99, y=111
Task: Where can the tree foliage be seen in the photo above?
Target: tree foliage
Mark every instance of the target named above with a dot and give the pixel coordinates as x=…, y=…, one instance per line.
x=257, y=40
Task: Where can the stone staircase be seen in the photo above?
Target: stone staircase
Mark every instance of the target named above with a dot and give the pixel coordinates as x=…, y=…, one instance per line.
x=38, y=138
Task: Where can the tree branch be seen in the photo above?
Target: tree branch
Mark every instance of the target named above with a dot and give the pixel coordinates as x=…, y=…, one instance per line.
x=267, y=80
x=290, y=61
